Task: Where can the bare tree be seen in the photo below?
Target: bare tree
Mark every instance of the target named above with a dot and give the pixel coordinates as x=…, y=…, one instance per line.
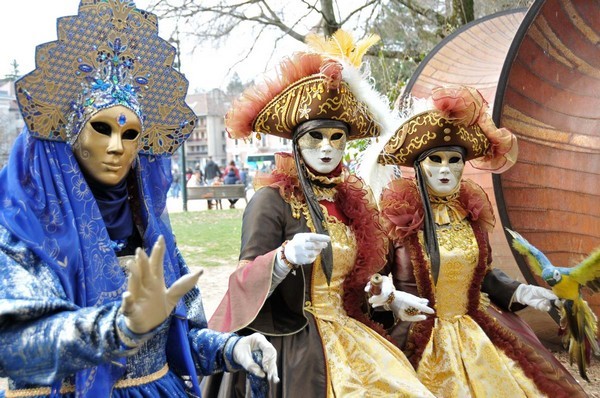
x=409, y=28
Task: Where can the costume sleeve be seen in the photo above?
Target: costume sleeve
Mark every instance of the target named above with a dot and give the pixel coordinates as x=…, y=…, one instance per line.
x=45, y=337
x=404, y=280
x=500, y=288
x=266, y=224
x=212, y=351
x=403, y=275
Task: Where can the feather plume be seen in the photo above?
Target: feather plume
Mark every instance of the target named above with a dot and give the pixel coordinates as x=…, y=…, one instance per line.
x=341, y=45
x=240, y=118
x=579, y=323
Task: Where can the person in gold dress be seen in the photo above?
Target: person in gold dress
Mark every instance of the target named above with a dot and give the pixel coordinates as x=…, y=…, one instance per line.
x=474, y=345
x=312, y=237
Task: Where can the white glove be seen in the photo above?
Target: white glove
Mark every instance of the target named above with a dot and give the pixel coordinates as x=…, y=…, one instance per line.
x=147, y=302
x=304, y=248
x=242, y=355
x=406, y=306
x=534, y=296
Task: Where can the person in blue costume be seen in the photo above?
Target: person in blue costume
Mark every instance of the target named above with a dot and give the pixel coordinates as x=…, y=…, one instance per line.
x=95, y=298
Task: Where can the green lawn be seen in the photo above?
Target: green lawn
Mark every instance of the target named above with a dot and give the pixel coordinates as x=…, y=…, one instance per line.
x=208, y=238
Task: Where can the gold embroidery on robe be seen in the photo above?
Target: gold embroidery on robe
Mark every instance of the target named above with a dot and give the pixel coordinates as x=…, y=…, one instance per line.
x=361, y=363
x=459, y=360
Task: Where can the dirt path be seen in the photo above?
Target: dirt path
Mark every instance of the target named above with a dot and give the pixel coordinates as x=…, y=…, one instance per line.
x=213, y=285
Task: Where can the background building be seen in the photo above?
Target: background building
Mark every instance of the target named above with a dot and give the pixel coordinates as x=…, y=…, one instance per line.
x=11, y=122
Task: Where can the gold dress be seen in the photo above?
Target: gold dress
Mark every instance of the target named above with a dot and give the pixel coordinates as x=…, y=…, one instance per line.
x=361, y=363
x=460, y=360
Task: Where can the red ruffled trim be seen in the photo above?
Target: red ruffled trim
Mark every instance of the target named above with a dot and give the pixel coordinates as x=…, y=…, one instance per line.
x=403, y=214
x=358, y=206
x=402, y=209
x=284, y=177
x=421, y=331
x=477, y=203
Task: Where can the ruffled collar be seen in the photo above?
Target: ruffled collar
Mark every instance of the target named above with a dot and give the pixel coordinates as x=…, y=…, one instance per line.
x=285, y=178
x=327, y=180
x=403, y=214
x=447, y=209
x=324, y=186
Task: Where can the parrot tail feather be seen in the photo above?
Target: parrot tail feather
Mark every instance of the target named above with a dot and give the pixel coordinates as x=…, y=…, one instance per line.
x=580, y=326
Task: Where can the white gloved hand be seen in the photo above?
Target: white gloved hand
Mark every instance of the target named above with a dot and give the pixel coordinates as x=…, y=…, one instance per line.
x=406, y=306
x=534, y=296
x=305, y=247
x=147, y=302
x=242, y=355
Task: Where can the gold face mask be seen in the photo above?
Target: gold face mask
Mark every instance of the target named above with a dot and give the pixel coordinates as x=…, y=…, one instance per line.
x=108, y=144
x=443, y=171
x=323, y=148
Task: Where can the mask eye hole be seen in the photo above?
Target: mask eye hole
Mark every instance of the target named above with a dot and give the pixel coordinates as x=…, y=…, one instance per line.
x=317, y=135
x=337, y=136
x=131, y=134
x=454, y=159
x=102, y=128
x=435, y=159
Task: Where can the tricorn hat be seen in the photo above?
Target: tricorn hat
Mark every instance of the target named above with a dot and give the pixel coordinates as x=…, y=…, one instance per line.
x=458, y=117
x=324, y=83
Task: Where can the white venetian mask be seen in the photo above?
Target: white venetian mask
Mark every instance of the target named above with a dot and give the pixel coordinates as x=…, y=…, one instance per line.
x=323, y=148
x=443, y=171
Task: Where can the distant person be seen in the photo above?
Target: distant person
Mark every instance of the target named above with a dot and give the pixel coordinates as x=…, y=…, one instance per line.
x=232, y=177
x=232, y=167
x=211, y=172
x=175, y=184
x=196, y=180
x=244, y=176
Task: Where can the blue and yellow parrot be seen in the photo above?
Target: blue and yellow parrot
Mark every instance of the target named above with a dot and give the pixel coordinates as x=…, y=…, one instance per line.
x=577, y=319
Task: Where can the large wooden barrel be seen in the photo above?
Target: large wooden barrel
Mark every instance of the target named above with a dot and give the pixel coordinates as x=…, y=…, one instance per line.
x=549, y=95
x=473, y=55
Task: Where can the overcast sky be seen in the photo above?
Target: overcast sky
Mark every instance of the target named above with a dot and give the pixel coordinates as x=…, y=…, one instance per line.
x=27, y=23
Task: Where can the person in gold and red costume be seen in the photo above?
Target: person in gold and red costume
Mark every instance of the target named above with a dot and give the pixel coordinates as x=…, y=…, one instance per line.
x=474, y=345
x=311, y=235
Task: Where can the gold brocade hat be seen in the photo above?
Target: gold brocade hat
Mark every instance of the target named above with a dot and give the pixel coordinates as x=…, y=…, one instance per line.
x=323, y=84
x=108, y=54
x=458, y=118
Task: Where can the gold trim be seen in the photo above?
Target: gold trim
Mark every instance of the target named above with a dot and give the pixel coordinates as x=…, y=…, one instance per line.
x=66, y=389
x=138, y=381
x=34, y=392
x=310, y=98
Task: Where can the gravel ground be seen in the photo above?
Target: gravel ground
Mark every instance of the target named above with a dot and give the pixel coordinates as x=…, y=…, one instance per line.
x=213, y=284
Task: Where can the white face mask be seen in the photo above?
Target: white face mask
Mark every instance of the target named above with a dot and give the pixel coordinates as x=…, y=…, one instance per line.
x=443, y=171
x=323, y=148
x=108, y=144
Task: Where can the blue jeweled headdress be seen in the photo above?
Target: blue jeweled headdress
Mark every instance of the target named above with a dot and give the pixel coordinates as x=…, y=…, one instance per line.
x=109, y=54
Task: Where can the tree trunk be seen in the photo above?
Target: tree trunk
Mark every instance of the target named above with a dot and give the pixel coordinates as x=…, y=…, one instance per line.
x=329, y=23
x=463, y=11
